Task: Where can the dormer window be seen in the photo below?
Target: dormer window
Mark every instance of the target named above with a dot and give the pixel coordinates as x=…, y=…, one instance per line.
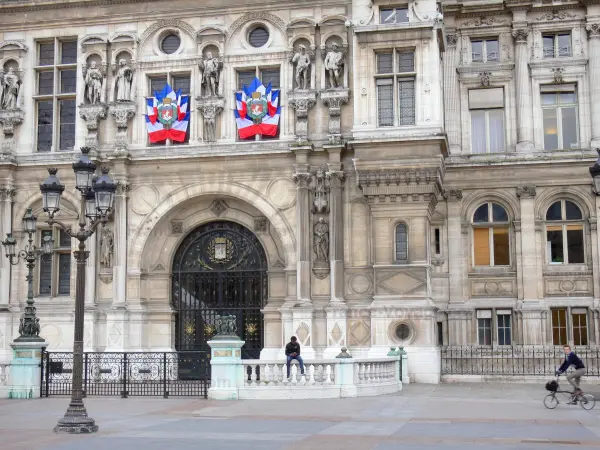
x=485, y=50
x=393, y=15
x=557, y=45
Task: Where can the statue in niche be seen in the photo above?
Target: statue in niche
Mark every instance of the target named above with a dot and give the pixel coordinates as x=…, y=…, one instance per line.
x=107, y=244
x=211, y=71
x=334, y=65
x=94, y=79
x=302, y=61
x=9, y=89
x=124, y=79
x=321, y=237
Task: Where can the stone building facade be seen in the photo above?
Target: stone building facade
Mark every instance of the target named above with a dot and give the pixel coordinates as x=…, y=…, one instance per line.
x=428, y=185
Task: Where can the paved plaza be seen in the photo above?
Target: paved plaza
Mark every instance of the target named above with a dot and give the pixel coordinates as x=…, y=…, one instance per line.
x=449, y=416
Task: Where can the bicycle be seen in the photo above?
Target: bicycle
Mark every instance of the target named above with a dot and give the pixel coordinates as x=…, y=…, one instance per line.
x=586, y=401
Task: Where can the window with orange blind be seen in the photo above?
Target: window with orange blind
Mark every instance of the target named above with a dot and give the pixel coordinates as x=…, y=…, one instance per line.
x=491, y=242
x=559, y=326
x=564, y=236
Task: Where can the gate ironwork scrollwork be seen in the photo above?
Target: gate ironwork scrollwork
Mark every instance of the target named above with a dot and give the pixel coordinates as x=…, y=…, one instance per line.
x=219, y=269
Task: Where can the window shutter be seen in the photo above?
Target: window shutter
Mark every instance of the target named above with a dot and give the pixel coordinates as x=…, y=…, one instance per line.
x=481, y=246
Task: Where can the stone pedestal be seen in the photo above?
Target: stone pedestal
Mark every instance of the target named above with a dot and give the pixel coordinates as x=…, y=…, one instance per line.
x=301, y=102
x=336, y=330
x=25, y=374
x=334, y=99
x=92, y=114
x=227, y=371
x=345, y=377
x=122, y=112
x=210, y=108
x=9, y=118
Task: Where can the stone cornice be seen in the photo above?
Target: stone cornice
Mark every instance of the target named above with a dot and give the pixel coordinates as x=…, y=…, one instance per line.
x=557, y=62
x=488, y=67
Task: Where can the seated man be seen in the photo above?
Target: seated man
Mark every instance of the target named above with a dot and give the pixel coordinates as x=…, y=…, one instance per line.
x=292, y=351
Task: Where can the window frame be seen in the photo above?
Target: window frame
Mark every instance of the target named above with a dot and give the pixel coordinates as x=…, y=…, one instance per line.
x=555, y=46
x=488, y=145
x=504, y=313
x=396, y=76
x=559, y=107
x=390, y=8
x=396, y=260
x=489, y=329
x=57, y=96
x=564, y=224
x=490, y=225
x=54, y=264
x=570, y=312
x=484, y=52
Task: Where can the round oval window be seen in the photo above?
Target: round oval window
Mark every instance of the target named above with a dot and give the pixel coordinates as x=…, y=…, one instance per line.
x=170, y=44
x=403, y=332
x=258, y=37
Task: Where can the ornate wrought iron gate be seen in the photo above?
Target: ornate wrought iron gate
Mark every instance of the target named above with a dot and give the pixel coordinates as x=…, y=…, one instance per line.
x=219, y=269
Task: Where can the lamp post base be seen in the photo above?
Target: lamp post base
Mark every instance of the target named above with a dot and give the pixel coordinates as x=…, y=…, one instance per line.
x=76, y=421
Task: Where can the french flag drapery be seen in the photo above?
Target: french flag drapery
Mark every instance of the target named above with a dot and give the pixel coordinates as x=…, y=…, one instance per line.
x=257, y=110
x=167, y=115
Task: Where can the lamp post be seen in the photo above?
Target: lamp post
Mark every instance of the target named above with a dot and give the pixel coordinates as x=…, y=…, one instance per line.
x=595, y=173
x=29, y=328
x=97, y=196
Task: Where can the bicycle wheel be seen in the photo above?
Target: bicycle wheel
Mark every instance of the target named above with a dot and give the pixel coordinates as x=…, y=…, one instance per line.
x=587, y=401
x=550, y=401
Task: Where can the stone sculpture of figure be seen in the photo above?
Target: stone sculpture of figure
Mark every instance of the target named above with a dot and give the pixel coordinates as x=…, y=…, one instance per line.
x=93, y=78
x=9, y=93
x=302, y=61
x=218, y=325
x=320, y=201
x=107, y=243
x=124, y=79
x=321, y=244
x=211, y=71
x=210, y=123
x=334, y=65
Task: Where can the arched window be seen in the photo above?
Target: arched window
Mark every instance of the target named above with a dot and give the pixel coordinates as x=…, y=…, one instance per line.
x=491, y=245
x=564, y=233
x=401, y=243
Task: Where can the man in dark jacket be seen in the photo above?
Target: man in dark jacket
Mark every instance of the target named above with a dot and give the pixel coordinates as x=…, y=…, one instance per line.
x=571, y=359
x=292, y=351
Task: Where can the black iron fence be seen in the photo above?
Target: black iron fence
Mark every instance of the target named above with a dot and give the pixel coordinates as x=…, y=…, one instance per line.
x=513, y=360
x=162, y=374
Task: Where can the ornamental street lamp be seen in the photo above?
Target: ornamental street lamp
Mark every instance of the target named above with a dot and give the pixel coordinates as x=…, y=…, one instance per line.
x=29, y=328
x=595, y=173
x=97, y=197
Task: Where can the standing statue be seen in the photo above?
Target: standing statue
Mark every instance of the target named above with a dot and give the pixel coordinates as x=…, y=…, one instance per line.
x=302, y=61
x=107, y=244
x=321, y=244
x=124, y=79
x=9, y=92
x=334, y=65
x=210, y=123
x=211, y=71
x=93, y=78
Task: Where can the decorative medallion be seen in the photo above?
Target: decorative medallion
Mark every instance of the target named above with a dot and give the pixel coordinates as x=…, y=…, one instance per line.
x=218, y=207
x=251, y=328
x=189, y=329
x=220, y=250
x=209, y=330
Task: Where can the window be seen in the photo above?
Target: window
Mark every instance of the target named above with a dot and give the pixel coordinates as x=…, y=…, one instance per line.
x=393, y=15
x=556, y=45
x=440, y=333
x=56, y=86
x=487, y=120
x=580, y=333
x=503, y=319
x=395, y=83
x=484, y=327
x=559, y=326
x=401, y=244
x=55, y=269
x=559, y=106
x=266, y=75
x=437, y=241
x=258, y=37
x=176, y=81
x=564, y=233
x=170, y=43
x=491, y=245
x=484, y=50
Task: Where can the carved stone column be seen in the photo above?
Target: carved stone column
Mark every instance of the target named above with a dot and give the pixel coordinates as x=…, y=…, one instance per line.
x=336, y=234
x=594, y=74
x=302, y=178
x=92, y=114
x=301, y=102
x=524, y=108
x=122, y=112
x=451, y=94
x=6, y=200
x=334, y=99
x=529, y=255
x=210, y=108
x=455, y=245
x=9, y=118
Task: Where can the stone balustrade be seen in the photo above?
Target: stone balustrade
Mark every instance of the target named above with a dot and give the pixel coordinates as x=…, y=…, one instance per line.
x=4, y=379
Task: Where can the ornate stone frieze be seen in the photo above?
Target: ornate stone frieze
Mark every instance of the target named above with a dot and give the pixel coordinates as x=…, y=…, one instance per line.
x=453, y=194
x=334, y=99
x=301, y=102
x=593, y=29
x=92, y=114
x=210, y=108
x=555, y=15
x=526, y=191
x=336, y=178
x=520, y=35
x=122, y=112
x=483, y=22
x=320, y=190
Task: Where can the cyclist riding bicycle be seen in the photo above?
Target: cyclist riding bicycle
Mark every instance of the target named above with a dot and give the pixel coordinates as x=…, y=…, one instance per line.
x=571, y=359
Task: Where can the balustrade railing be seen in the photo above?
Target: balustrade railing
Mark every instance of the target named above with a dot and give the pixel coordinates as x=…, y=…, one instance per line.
x=274, y=373
x=4, y=373
x=369, y=372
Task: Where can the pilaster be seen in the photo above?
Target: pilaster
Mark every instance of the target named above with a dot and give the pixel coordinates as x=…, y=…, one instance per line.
x=210, y=108
x=92, y=114
x=334, y=99
x=302, y=178
x=9, y=118
x=122, y=113
x=455, y=245
x=529, y=256
x=301, y=102
x=6, y=200
x=336, y=231
x=524, y=101
x=451, y=93
x=593, y=30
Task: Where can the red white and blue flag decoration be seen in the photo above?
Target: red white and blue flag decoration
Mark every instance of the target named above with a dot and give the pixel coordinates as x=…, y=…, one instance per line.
x=167, y=115
x=257, y=110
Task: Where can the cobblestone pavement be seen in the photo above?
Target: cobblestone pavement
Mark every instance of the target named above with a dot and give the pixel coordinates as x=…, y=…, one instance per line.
x=449, y=416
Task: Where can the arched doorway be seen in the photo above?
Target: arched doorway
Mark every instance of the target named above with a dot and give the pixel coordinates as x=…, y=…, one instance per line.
x=220, y=268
